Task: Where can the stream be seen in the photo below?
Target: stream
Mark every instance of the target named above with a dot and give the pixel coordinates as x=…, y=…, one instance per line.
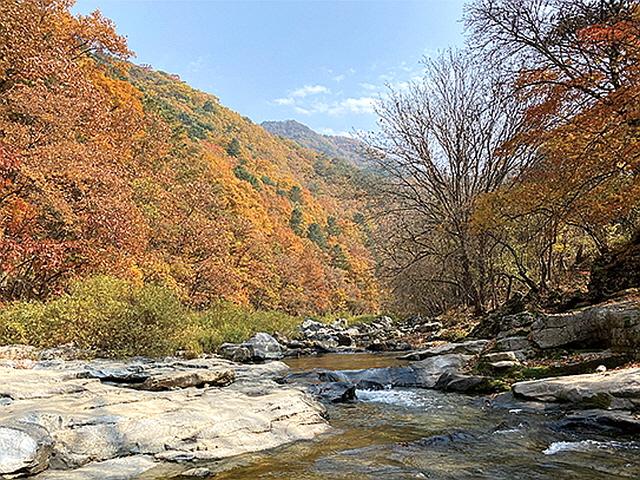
x=425, y=434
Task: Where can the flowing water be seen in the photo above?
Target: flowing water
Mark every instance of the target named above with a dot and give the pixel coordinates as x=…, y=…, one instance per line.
x=423, y=434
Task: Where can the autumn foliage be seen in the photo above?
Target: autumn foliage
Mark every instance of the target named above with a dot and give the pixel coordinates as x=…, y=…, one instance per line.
x=110, y=168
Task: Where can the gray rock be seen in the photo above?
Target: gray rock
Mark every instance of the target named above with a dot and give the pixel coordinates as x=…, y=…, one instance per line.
x=504, y=365
x=236, y=353
x=95, y=423
x=264, y=347
x=516, y=324
x=455, y=382
x=339, y=324
x=500, y=357
x=25, y=449
x=377, y=378
x=617, y=389
x=601, y=421
x=512, y=343
x=613, y=324
x=200, y=472
x=259, y=348
x=429, y=370
x=335, y=392
x=471, y=347
x=126, y=468
x=220, y=377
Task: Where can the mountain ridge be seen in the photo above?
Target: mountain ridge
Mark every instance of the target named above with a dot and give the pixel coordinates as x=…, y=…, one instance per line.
x=338, y=146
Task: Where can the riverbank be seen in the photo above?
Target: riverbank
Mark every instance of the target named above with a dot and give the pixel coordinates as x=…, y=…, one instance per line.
x=65, y=416
x=76, y=419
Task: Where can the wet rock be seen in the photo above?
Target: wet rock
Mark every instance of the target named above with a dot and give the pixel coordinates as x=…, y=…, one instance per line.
x=471, y=347
x=445, y=440
x=378, y=378
x=601, y=421
x=335, y=392
x=617, y=389
x=25, y=449
x=429, y=370
x=456, y=382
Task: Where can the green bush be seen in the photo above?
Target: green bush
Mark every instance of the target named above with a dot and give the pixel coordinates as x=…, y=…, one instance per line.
x=102, y=314
x=111, y=317
x=226, y=322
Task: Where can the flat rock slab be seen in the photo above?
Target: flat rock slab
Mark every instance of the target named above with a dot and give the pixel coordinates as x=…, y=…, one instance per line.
x=127, y=468
x=93, y=418
x=619, y=389
x=472, y=347
x=601, y=421
x=613, y=324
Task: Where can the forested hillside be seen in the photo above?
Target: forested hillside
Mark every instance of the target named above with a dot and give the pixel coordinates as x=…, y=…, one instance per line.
x=107, y=168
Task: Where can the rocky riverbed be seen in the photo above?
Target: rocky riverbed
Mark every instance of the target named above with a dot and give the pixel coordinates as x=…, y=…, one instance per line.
x=66, y=418
x=105, y=419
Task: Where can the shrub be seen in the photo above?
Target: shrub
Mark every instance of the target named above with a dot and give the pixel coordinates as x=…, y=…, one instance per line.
x=102, y=314
x=226, y=322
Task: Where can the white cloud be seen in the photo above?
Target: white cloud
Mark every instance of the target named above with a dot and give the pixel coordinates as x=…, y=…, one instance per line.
x=356, y=105
x=302, y=111
x=334, y=133
x=339, y=78
x=284, y=101
x=309, y=90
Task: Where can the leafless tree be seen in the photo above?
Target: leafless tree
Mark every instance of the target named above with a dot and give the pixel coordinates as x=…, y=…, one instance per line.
x=443, y=143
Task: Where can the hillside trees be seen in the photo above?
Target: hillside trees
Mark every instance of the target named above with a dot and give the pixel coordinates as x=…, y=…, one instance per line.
x=576, y=61
x=109, y=168
x=66, y=133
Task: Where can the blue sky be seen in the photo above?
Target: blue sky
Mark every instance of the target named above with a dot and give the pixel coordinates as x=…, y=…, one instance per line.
x=322, y=63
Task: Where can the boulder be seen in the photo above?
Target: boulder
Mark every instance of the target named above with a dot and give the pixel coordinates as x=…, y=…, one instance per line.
x=429, y=370
x=500, y=357
x=612, y=324
x=334, y=392
x=25, y=449
x=236, y=353
x=259, y=348
x=220, y=377
x=456, y=382
x=601, y=421
x=264, y=347
x=512, y=343
x=616, y=389
x=471, y=347
x=504, y=365
x=378, y=378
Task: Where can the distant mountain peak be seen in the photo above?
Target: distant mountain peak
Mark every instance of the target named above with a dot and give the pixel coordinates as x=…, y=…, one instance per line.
x=347, y=148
